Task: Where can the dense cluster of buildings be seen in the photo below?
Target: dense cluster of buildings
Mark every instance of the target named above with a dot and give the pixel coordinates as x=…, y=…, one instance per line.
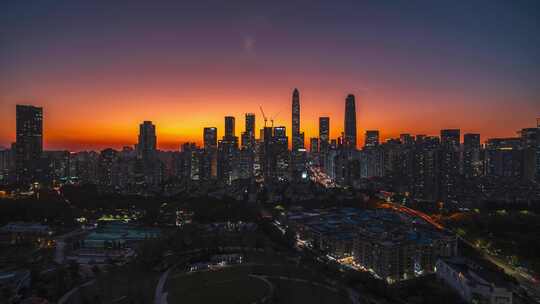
x=436, y=168
x=393, y=246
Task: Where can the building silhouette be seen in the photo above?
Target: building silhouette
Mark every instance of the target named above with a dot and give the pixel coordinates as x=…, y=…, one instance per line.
x=29, y=142
x=350, y=122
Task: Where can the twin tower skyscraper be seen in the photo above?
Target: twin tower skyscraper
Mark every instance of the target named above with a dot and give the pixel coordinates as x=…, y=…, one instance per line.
x=349, y=136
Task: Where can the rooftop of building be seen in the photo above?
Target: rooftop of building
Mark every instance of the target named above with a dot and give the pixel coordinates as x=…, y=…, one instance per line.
x=388, y=227
x=476, y=274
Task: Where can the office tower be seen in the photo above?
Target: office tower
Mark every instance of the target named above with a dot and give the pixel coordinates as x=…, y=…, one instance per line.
x=29, y=145
x=472, y=162
x=298, y=154
x=280, y=151
x=210, y=153
x=314, y=145
x=449, y=164
x=372, y=138
x=248, y=136
x=146, y=147
x=228, y=154
x=229, y=126
x=350, y=123
x=267, y=156
x=324, y=130
x=210, y=138
x=148, y=169
x=324, y=137
x=296, y=140
x=250, y=123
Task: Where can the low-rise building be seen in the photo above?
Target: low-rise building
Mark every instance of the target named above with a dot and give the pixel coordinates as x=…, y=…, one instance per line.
x=473, y=283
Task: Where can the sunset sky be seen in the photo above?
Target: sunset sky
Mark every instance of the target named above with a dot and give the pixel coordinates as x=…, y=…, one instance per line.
x=100, y=68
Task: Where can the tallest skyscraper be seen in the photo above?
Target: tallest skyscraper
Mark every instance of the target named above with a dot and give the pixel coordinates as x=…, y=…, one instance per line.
x=296, y=137
x=350, y=122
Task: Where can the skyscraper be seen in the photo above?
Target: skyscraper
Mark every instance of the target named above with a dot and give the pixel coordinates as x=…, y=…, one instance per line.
x=29, y=146
x=250, y=123
x=209, y=164
x=146, y=147
x=210, y=138
x=324, y=137
x=227, y=158
x=296, y=139
x=324, y=129
x=350, y=122
x=372, y=138
x=248, y=137
x=229, y=126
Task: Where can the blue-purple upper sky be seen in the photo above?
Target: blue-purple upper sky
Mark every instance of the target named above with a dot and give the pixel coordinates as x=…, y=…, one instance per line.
x=100, y=67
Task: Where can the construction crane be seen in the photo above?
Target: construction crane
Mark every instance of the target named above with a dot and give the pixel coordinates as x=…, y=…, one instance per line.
x=274, y=117
x=264, y=116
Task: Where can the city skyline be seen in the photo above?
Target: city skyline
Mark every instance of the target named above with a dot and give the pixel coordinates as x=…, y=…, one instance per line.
x=335, y=132
x=414, y=67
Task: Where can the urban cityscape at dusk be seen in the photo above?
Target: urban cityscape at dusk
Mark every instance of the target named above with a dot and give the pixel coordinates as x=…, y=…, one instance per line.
x=362, y=152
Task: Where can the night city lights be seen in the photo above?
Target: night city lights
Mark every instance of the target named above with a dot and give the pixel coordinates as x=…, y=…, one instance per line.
x=362, y=152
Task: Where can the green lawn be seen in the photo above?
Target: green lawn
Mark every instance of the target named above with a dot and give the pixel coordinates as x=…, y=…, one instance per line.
x=231, y=285
x=125, y=285
x=234, y=285
x=288, y=292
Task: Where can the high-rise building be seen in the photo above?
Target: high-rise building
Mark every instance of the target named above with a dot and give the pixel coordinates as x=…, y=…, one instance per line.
x=210, y=138
x=504, y=157
x=228, y=154
x=296, y=139
x=350, y=122
x=298, y=153
x=472, y=162
x=149, y=168
x=250, y=123
x=248, y=137
x=314, y=145
x=229, y=126
x=6, y=165
x=29, y=146
x=449, y=157
x=372, y=138
x=147, y=141
x=425, y=166
x=280, y=155
x=324, y=137
x=450, y=137
x=209, y=160
x=530, y=138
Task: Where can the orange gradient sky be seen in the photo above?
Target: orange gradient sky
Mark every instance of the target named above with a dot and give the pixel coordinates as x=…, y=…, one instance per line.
x=99, y=69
